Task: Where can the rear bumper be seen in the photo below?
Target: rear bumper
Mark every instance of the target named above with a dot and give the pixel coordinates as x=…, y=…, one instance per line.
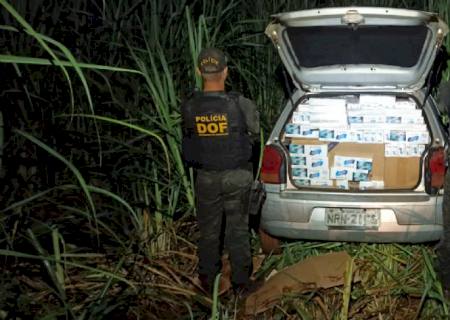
x=419, y=219
x=409, y=233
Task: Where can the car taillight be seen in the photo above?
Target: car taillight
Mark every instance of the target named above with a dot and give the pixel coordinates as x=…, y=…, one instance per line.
x=435, y=170
x=272, y=169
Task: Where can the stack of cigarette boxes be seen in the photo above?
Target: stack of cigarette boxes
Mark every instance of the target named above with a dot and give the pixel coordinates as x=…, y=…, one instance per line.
x=381, y=119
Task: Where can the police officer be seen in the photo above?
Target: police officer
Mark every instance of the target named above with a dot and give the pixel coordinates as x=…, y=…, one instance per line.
x=219, y=129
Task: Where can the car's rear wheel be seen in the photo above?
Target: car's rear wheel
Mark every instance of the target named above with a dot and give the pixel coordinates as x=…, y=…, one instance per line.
x=269, y=244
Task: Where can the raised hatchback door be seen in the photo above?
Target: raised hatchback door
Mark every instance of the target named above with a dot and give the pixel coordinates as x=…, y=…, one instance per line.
x=357, y=47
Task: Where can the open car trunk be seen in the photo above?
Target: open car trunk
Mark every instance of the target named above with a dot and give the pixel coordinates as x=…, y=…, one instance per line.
x=356, y=142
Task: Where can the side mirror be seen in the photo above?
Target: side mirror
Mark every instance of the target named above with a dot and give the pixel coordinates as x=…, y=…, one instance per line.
x=443, y=98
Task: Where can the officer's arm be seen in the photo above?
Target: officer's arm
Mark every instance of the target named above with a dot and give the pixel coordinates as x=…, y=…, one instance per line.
x=251, y=118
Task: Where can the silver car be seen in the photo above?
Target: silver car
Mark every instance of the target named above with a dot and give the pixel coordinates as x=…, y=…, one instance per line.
x=358, y=152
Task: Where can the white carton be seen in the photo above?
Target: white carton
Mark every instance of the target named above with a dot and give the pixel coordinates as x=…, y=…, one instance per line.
x=395, y=135
x=302, y=182
x=414, y=150
x=386, y=101
x=321, y=182
x=360, y=175
x=343, y=161
x=298, y=161
x=309, y=132
x=316, y=150
x=372, y=136
x=315, y=162
x=299, y=173
x=342, y=184
x=296, y=149
x=341, y=173
x=292, y=130
x=364, y=164
x=343, y=135
x=394, y=150
x=333, y=102
x=326, y=134
x=300, y=117
x=417, y=137
x=319, y=173
x=364, y=185
x=405, y=104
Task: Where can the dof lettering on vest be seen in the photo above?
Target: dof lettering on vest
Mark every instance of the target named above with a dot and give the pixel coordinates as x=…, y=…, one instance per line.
x=212, y=125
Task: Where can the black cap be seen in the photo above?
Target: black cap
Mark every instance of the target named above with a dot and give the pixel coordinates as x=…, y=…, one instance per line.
x=211, y=60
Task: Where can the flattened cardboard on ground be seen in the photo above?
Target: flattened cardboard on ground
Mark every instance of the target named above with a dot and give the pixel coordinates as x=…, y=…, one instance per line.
x=324, y=271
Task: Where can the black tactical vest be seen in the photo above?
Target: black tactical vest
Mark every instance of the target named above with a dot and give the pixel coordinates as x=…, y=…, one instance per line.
x=214, y=132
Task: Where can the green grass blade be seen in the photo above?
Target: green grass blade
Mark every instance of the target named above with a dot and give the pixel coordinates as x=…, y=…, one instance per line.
x=74, y=170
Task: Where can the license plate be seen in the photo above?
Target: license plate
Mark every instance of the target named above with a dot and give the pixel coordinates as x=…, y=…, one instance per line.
x=352, y=217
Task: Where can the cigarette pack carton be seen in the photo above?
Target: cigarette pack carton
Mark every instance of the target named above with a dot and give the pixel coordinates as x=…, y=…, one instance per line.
x=296, y=149
x=372, y=136
x=302, y=182
x=341, y=173
x=342, y=184
x=319, y=173
x=365, y=185
x=315, y=162
x=309, y=132
x=299, y=161
x=394, y=150
x=364, y=164
x=395, y=136
x=412, y=119
x=414, y=150
x=405, y=104
x=335, y=103
x=299, y=173
x=343, y=161
x=300, y=117
x=360, y=175
x=374, y=118
x=326, y=134
x=356, y=135
x=351, y=106
x=321, y=182
x=316, y=150
x=417, y=137
x=292, y=130
x=386, y=101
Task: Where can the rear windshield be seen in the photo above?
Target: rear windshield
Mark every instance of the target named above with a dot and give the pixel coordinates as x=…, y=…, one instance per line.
x=387, y=45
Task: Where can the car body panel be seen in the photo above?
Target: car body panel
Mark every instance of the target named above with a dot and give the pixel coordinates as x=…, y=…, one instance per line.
x=365, y=76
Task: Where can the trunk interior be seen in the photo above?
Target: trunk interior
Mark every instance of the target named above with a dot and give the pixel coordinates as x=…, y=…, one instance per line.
x=356, y=142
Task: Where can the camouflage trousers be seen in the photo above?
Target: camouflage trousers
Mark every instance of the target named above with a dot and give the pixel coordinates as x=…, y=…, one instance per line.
x=222, y=214
x=443, y=251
